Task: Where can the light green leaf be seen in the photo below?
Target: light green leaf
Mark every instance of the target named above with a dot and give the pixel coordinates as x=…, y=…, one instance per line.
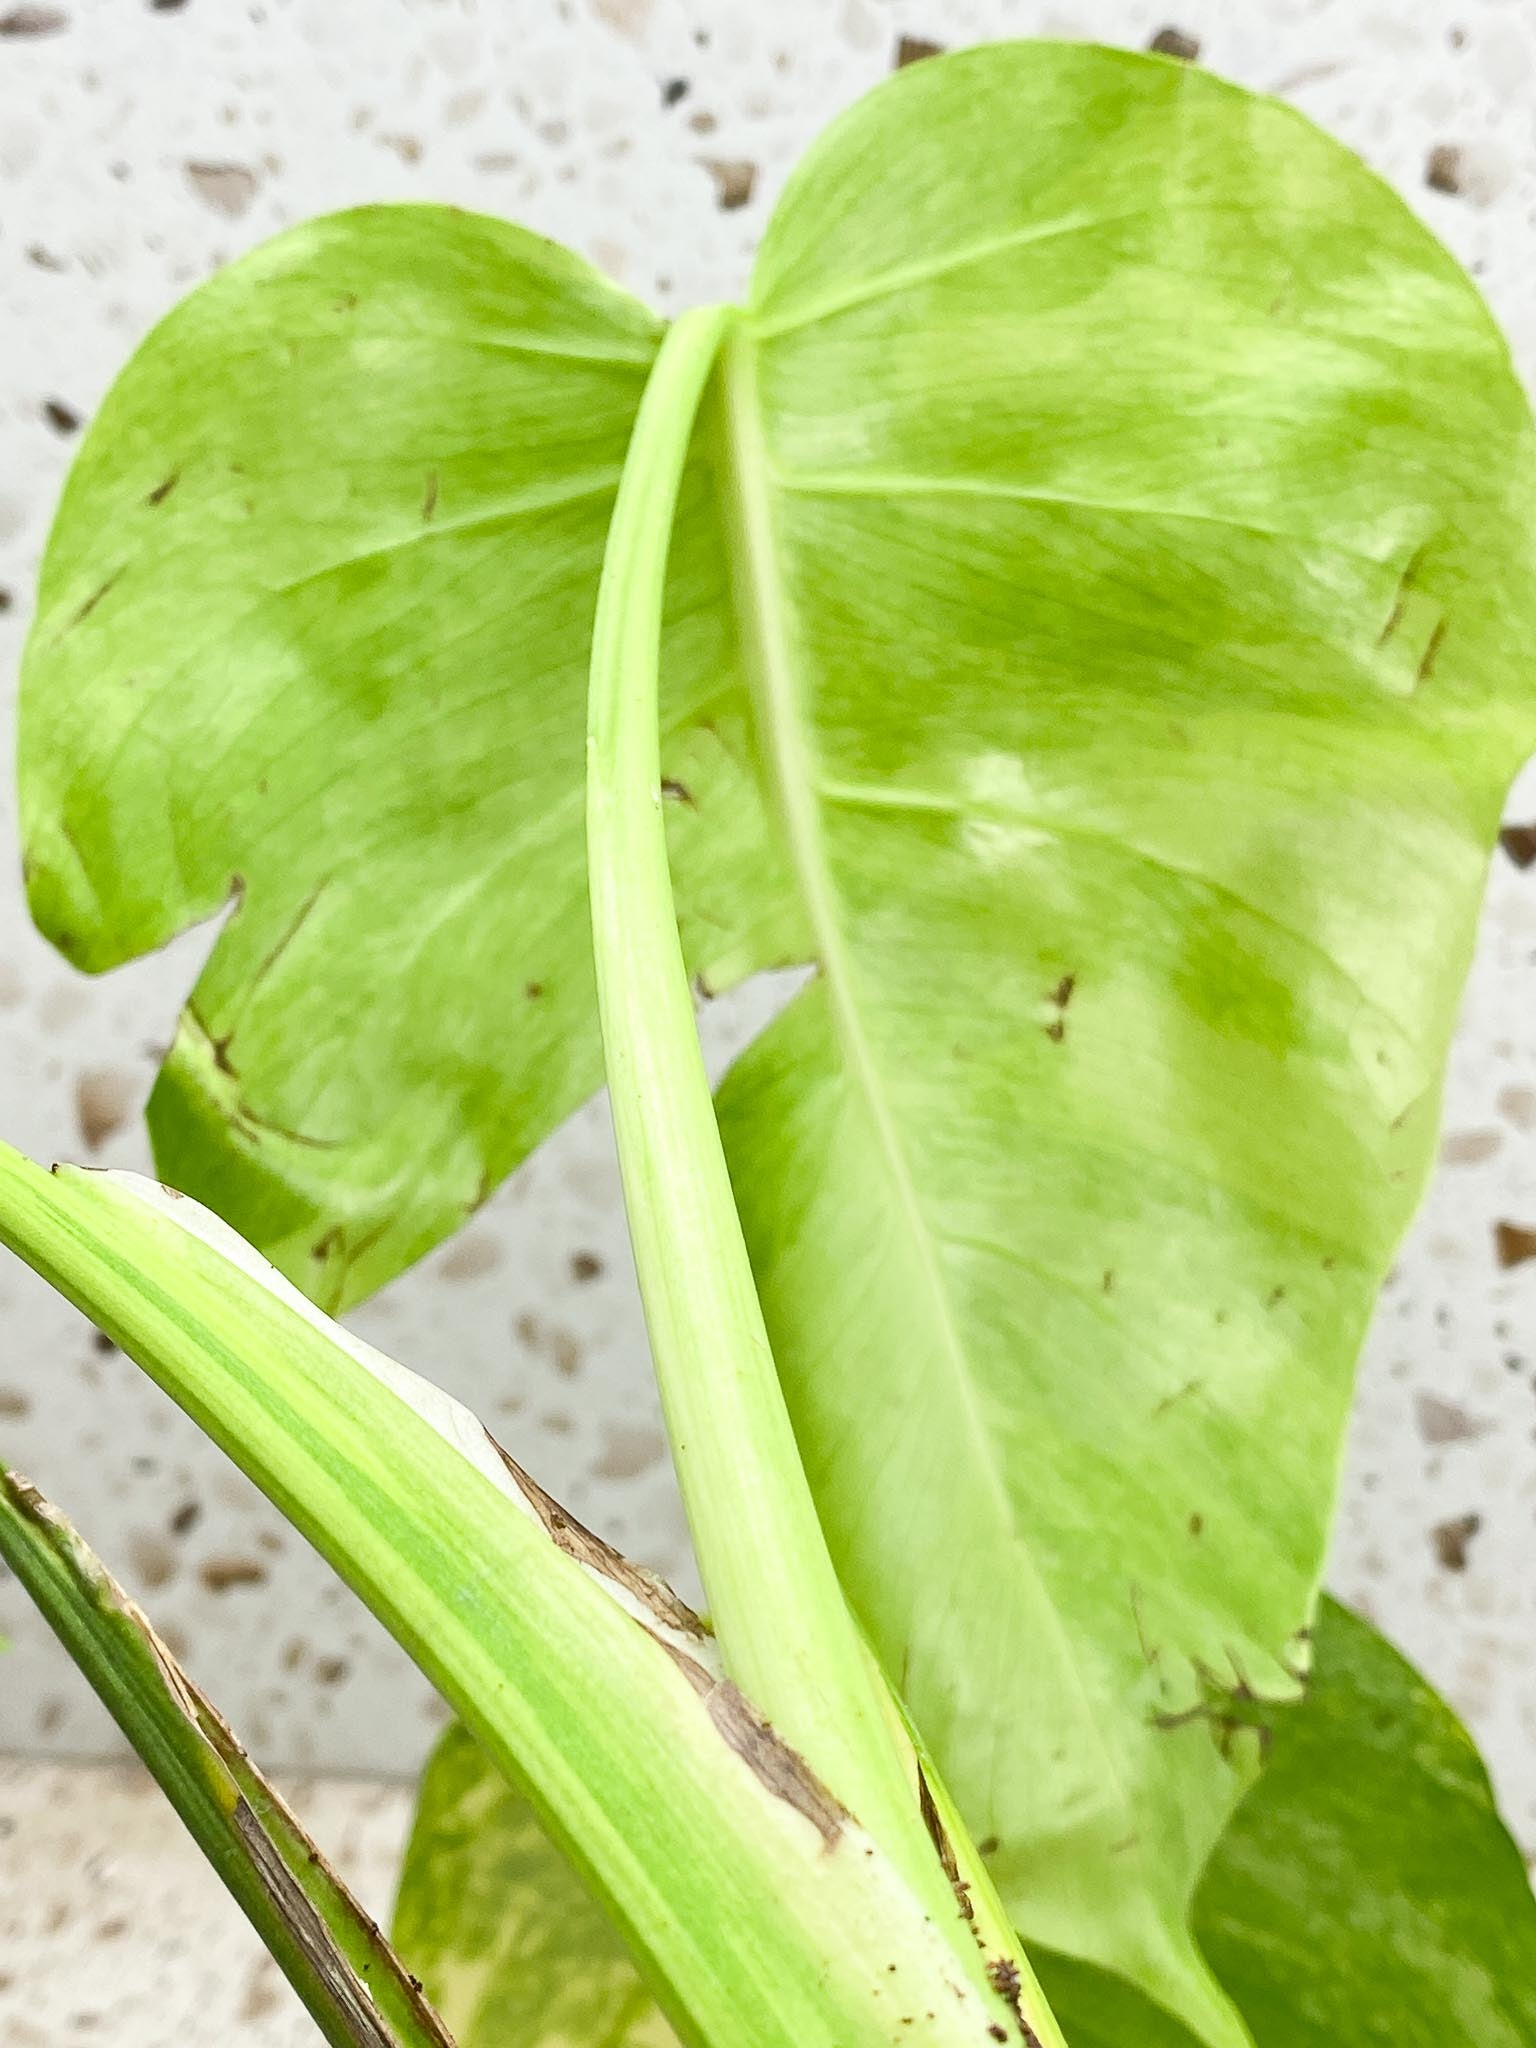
x=762, y=1914
x=312, y=639
x=1366, y=1895
x=510, y=1943
x=1133, y=521
x=1129, y=516
x=328, y=1948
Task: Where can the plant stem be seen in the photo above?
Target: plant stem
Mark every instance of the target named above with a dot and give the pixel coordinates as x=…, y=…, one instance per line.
x=785, y=1630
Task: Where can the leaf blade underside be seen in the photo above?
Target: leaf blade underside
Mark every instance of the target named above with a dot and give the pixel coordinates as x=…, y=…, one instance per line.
x=1121, y=511
x=1138, y=718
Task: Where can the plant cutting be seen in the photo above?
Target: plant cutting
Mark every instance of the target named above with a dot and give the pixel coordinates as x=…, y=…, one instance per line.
x=1078, y=607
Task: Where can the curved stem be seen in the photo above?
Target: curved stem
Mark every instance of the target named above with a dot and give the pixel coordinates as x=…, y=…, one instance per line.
x=786, y=1634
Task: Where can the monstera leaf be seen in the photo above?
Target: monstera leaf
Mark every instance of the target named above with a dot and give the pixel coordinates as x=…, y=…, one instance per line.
x=1366, y=1892
x=1096, y=639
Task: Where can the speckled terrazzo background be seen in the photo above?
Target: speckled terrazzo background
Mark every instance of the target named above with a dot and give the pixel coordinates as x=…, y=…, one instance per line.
x=143, y=143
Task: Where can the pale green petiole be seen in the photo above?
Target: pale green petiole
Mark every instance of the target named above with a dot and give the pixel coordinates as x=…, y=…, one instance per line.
x=785, y=1631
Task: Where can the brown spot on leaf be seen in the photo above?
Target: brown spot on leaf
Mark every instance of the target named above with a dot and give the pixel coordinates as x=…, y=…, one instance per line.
x=590, y=1550
x=1432, y=651
x=1452, y=1540
x=1513, y=1243
x=104, y=1099
x=679, y=792
x=429, y=496
x=914, y=49
x=1519, y=842
x=781, y=1769
x=735, y=178
x=1176, y=42
x=163, y=490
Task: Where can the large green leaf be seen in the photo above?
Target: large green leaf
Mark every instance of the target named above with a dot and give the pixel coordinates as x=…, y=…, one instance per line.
x=1129, y=514
x=312, y=636
x=1134, y=530
x=763, y=1914
x=513, y=1948
x=1366, y=1895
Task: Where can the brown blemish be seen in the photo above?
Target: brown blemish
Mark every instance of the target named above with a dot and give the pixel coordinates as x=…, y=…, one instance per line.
x=944, y=1848
x=289, y=933
x=104, y=1098
x=33, y=21
x=587, y=1549
x=772, y=1762
x=1443, y=1422
x=1197, y=1525
x=1452, y=1540
x=734, y=180
x=154, y=1562
x=1176, y=42
x=475, y=1255
x=1519, y=842
x=229, y=189
x=92, y=601
x=1470, y=1148
x=679, y=792
x=629, y=1452
x=1432, y=651
x=1178, y=1394
x=1513, y=1244
x=533, y=990
x=224, y=1574
x=1443, y=168
x=429, y=496
x=162, y=491
x=914, y=50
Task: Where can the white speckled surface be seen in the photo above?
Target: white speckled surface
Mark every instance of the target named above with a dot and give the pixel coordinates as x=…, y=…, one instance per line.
x=140, y=146
x=116, y=1936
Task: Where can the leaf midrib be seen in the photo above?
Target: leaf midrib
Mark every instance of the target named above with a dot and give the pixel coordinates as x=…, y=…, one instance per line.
x=762, y=616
